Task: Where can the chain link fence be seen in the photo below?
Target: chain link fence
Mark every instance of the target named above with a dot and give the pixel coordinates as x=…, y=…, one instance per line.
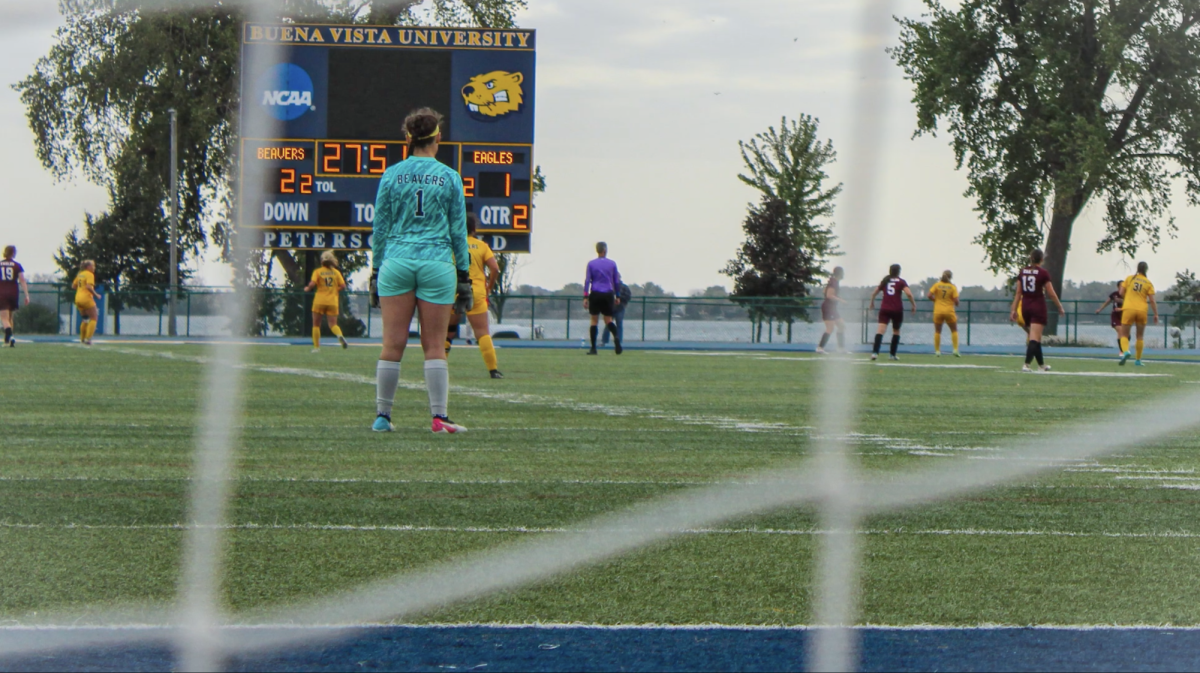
x=203, y=312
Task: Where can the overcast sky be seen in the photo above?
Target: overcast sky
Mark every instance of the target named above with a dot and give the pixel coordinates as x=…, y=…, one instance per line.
x=640, y=108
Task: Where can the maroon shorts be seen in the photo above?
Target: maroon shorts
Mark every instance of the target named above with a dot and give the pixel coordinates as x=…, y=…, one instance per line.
x=1116, y=319
x=9, y=302
x=1034, y=313
x=829, y=312
x=894, y=317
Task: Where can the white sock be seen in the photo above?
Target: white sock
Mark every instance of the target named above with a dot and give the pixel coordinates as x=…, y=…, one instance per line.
x=387, y=377
x=437, y=381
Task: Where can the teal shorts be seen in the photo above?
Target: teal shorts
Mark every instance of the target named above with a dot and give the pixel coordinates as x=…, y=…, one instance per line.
x=434, y=282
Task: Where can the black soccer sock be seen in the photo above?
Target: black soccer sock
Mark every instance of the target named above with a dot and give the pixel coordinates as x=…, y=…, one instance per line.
x=7, y=334
x=824, y=340
x=878, y=343
x=1029, y=351
x=895, y=343
x=1037, y=353
x=595, y=333
x=611, y=328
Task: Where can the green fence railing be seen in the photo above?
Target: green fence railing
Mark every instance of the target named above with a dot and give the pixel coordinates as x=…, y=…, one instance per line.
x=204, y=311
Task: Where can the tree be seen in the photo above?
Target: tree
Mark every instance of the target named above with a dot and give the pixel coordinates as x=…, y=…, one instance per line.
x=788, y=165
x=129, y=243
x=98, y=101
x=1186, y=289
x=769, y=264
x=97, y=104
x=1052, y=103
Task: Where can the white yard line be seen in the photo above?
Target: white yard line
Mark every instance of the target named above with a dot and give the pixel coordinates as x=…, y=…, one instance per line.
x=552, y=530
x=1101, y=375
x=719, y=422
x=923, y=366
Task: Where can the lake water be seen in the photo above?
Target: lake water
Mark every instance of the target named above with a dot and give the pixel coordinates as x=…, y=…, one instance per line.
x=915, y=332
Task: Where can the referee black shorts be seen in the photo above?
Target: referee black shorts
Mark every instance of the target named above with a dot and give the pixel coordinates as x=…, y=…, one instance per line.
x=601, y=303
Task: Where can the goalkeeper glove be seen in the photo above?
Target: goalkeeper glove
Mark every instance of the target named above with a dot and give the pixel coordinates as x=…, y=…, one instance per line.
x=375, y=288
x=464, y=300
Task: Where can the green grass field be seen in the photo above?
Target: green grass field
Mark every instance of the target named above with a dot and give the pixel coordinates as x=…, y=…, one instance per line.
x=96, y=453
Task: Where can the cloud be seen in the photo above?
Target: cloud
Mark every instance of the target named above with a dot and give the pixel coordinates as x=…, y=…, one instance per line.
x=22, y=16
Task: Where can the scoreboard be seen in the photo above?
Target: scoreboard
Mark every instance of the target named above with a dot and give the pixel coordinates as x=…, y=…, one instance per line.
x=340, y=94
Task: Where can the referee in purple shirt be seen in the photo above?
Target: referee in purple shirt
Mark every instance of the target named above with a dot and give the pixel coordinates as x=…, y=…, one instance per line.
x=600, y=295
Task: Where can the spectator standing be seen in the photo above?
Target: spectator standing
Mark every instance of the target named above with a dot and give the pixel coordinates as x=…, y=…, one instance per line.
x=624, y=295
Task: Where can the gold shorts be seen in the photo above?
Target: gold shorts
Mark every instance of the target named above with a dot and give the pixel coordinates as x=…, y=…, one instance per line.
x=949, y=318
x=325, y=309
x=481, y=300
x=85, y=306
x=1134, y=317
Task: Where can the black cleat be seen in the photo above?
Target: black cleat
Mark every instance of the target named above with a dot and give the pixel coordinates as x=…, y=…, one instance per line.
x=495, y=373
x=617, y=348
x=592, y=352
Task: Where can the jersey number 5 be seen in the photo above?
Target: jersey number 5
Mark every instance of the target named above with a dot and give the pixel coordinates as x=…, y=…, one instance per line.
x=891, y=288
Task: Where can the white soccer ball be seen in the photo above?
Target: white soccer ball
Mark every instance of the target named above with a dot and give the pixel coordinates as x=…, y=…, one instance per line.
x=1176, y=332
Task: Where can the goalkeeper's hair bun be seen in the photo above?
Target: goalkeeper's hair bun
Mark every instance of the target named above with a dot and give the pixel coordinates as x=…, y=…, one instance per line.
x=422, y=127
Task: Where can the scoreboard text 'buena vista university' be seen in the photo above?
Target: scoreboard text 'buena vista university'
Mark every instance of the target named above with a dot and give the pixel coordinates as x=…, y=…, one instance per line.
x=340, y=95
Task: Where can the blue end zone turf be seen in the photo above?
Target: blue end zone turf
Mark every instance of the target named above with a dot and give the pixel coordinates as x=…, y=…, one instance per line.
x=486, y=648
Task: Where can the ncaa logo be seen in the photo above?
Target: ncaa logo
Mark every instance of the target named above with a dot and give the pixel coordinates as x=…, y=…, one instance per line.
x=287, y=92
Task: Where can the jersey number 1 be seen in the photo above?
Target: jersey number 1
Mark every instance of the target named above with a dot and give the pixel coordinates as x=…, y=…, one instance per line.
x=420, y=203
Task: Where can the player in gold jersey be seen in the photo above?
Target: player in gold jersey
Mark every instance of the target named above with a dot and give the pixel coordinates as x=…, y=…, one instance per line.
x=328, y=282
x=1137, y=296
x=85, y=300
x=945, y=300
x=482, y=259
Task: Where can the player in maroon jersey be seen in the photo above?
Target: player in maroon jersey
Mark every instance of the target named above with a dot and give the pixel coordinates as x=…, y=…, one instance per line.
x=12, y=284
x=892, y=309
x=1033, y=285
x=1117, y=302
x=830, y=314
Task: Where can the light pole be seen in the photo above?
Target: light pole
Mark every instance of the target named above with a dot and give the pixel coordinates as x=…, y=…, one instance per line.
x=171, y=329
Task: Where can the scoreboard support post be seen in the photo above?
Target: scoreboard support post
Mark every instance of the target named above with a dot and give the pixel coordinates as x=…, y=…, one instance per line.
x=172, y=309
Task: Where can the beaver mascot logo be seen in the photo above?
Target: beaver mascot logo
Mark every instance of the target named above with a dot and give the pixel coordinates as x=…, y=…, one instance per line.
x=494, y=95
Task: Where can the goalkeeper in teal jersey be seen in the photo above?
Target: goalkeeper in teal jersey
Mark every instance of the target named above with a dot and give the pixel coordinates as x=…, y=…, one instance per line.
x=420, y=264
